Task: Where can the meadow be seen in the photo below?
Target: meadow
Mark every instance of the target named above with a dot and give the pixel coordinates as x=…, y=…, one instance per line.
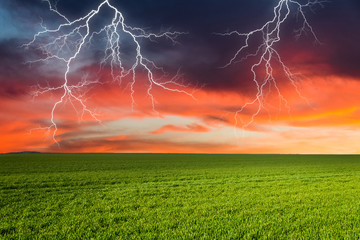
x=179, y=196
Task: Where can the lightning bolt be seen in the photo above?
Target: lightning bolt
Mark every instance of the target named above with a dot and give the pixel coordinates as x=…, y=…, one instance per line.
x=65, y=42
x=266, y=53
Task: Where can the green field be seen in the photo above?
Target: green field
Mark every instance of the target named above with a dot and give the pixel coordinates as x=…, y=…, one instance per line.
x=179, y=196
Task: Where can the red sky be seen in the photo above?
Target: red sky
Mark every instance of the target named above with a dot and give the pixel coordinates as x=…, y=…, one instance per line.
x=326, y=122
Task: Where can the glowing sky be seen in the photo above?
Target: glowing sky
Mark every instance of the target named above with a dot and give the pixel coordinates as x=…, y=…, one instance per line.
x=325, y=120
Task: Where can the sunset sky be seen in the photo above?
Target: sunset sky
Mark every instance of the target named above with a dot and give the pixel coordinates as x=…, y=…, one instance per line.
x=323, y=118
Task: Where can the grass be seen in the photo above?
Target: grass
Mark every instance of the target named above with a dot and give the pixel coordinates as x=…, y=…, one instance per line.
x=179, y=196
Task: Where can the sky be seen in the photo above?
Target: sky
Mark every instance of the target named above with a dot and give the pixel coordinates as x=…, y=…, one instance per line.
x=318, y=110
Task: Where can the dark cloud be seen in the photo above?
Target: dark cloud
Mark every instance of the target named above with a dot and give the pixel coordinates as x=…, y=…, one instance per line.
x=214, y=118
x=339, y=26
x=15, y=77
x=202, y=53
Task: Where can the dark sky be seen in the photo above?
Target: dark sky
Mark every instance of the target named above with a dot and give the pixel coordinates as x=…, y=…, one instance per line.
x=201, y=52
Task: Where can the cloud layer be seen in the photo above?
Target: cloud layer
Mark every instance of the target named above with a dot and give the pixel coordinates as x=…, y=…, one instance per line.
x=329, y=85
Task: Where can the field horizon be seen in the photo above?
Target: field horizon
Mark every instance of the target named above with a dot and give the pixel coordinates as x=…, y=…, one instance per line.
x=186, y=153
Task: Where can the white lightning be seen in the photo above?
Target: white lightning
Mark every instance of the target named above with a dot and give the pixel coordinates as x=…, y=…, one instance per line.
x=266, y=52
x=65, y=42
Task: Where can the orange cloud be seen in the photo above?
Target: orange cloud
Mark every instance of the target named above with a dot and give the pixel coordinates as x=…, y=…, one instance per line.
x=332, y=104
x=188, y=128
